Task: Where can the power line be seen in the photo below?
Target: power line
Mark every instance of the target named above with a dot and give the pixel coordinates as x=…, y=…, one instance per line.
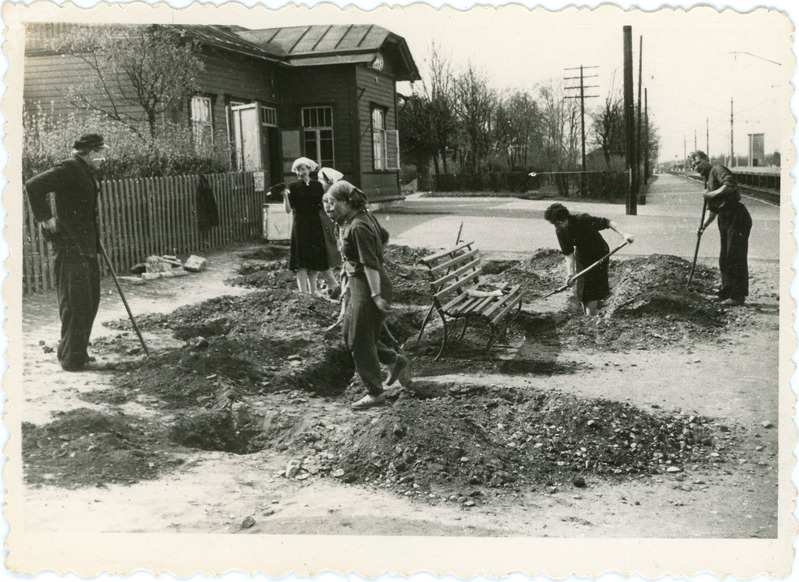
x=582, y=97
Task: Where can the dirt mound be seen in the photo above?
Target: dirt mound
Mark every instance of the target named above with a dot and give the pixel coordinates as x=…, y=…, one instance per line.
x=464, y=436
x=657, y=285
x=270, y=271
x=85, y=447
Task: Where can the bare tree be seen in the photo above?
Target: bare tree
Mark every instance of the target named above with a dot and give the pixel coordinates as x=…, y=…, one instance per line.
x=560, y=117
x=439, y=94
x=136, y=73
x=517, y=128
x=475, y=104
x=608, y=127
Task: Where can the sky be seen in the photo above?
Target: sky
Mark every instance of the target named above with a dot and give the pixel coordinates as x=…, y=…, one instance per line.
x=694, y=62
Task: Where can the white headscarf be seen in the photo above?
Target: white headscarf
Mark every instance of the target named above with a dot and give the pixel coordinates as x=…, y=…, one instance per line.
x=304, y=162
x=331, y=175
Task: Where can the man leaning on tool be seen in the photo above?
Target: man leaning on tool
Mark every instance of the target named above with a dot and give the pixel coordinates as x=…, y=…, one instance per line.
x=724, y=200
x=74, y=235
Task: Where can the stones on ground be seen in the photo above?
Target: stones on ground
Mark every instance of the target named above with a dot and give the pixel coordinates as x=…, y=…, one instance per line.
x=579, y=482
x=292, y=468
x=767, y=424
x=195, y=264
x=247, y=523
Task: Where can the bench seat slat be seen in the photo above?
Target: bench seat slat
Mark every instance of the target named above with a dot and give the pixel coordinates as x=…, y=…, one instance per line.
x=511, y=305
x=463, y=283
x=502, y=300
x=480, y=306
x=450, y=306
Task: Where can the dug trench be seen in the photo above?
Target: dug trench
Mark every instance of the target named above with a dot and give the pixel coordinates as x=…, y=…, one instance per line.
x=260, y=372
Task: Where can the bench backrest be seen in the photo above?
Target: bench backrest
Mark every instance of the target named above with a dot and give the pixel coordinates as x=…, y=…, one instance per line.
x=453, y=271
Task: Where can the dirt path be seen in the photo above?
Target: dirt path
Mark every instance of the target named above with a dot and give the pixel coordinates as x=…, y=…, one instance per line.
x=726, y=378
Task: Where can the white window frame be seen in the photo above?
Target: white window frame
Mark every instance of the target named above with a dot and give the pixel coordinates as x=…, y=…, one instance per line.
x=268, y=116
x=318, y=121
x=379, y=160
x=385, y=142
x=202, y=120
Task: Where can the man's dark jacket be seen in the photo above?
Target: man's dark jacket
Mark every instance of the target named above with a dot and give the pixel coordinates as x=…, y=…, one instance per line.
x=76, y=191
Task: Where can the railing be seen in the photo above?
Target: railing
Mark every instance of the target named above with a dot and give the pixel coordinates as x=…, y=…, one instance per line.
x=153, y=216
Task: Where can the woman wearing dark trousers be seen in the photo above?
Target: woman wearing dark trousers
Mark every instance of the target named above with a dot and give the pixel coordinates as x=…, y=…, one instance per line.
x=368, y=292
x=724, y=201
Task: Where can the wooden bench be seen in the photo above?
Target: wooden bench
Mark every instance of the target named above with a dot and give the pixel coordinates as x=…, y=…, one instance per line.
x=459, y=296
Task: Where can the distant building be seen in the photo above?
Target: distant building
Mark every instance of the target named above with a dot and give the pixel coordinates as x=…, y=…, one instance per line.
x=326, y=92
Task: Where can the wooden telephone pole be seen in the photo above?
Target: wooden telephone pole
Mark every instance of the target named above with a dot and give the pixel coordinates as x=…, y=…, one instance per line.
x=629, y=120
x=582, y=97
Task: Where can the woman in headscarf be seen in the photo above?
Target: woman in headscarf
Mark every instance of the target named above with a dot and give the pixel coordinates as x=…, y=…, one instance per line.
x=309, y=255
x=367, y=291
x=327, y=177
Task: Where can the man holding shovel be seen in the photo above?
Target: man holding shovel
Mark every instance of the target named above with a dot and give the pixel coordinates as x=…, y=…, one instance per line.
x=75, y=237
x=583, y=245
x=724, y=200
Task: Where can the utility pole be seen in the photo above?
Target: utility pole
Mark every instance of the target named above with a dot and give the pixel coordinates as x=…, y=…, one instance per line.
x=646, y=137
x=637, y=172
x=629, y=119
x=707, y=136
x=684, y=155
x=582, y=97
x=695, y=148
x=732, y=142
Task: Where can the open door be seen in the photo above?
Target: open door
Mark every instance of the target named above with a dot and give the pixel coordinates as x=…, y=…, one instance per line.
x=292, y=149
x=247, y=136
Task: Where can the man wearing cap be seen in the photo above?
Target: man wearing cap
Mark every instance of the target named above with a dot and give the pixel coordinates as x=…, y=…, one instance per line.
x=74, y=234
x=724, y=201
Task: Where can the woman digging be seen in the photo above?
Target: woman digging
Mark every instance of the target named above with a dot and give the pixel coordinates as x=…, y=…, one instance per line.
x=583, y=245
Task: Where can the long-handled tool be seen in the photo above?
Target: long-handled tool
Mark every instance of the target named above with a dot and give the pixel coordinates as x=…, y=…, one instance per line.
x=583, y=272
x=698, y=240
x=122, y=295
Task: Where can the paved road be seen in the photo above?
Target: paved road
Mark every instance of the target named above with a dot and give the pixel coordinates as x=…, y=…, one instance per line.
x=511, y=227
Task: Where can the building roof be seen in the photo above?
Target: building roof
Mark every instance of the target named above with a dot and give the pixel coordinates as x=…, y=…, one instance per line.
x=299, y=46
x=225, y=37
x=333, y=44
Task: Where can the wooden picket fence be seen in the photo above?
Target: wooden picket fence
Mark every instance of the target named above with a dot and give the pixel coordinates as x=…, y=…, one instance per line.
x=153, y=216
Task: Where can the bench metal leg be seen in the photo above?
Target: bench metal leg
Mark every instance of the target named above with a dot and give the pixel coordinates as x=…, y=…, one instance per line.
x=449, y=327
x=499, y=331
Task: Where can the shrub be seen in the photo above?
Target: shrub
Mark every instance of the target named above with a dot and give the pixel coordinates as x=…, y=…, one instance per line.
x=48, y=139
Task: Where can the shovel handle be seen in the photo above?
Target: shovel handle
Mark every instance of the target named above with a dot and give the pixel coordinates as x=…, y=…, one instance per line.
x=122, y=296
x=698, y=240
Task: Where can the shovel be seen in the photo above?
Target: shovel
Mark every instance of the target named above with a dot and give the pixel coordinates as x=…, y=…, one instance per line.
x=583, y=272
x=698, y=240
x=124, y=301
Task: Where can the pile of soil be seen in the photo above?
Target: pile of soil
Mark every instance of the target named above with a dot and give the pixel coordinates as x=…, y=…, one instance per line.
x=499, y=437
x=89, y=448
x=257, y=343
x=268, y=268
x=261, y=371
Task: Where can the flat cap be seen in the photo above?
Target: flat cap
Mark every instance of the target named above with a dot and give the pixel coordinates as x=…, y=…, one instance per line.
x=90, y=141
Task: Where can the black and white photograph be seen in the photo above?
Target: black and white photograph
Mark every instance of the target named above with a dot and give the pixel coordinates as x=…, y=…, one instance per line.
x=306, y=289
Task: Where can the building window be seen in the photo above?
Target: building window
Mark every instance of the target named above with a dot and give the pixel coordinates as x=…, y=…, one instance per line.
x=202, y=121
x=317, y=125
x=385, y=143
x=268, y=116
x=379, y=138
